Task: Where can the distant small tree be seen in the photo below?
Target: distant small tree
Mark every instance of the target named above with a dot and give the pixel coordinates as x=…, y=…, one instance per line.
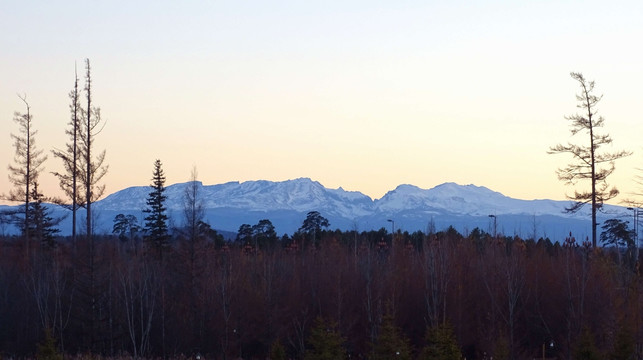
x=587, y=158
x=193, y=207
x=264, y=234
x=244, y=235
x=617, y=233
x=313, y=224
x=156, y=232
x=125, y=226
x=211, y=234
x=325, y=342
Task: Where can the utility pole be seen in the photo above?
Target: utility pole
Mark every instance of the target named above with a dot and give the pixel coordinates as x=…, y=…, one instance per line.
x=392, y=234
x=495, y=225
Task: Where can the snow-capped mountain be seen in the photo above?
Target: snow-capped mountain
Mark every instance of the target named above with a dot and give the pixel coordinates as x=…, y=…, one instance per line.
x=286, y=203
x=300, y=195
x=468, y=200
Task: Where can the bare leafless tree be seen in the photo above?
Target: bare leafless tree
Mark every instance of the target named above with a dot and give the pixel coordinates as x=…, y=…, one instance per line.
x=69, y=156
x=92, y=167
x=28, y=164
x=138, y=293
x=589, y=163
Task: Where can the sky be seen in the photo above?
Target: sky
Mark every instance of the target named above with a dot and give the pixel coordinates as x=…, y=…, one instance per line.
x=363, y=95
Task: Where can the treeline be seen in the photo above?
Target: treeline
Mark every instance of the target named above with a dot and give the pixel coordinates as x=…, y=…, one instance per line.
x=371, y=294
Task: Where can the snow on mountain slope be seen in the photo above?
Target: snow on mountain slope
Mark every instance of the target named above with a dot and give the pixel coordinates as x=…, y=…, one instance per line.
x=464, y=200
x=286, y=203
x=300, y=195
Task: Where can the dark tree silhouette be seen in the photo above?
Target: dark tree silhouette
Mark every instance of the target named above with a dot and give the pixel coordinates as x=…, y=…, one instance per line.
x=28, y=161
x=41, y=225
x=125, y=226
x=91, y=167
x=244, y=235
x=589, y=163
x=70, y=157
x=193, y=207
x=156, y=221
x=313, y=224
x=264, y=234
x=617, y=233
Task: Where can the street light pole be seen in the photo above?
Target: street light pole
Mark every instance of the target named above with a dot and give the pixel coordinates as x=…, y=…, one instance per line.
x=495, y=225
x=635, y=211
x=392, y=232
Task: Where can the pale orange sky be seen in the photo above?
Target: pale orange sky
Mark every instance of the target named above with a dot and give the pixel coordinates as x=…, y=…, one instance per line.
x=365, y=95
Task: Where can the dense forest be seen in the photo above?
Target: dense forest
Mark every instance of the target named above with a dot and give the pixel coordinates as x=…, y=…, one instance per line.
x=376, y=292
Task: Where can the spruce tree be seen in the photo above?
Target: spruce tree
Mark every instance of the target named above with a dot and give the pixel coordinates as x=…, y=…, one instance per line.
x=441, y=344
x=325, y=342
x=391, y=343
x=156, y=232
x=41, y=226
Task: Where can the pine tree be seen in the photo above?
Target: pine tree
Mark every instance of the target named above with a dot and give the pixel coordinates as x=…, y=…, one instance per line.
x=156, y=232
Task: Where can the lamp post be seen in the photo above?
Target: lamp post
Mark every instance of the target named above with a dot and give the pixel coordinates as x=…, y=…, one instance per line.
x=635, y=212
x=392, y=232
x=495, y=224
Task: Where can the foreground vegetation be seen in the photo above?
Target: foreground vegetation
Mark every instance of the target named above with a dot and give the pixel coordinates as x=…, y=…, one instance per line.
x=346, y=292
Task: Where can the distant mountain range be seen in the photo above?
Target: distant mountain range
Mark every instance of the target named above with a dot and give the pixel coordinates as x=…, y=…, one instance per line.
x=411, y=208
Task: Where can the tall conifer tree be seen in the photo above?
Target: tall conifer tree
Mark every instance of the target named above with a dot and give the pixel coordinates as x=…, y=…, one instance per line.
x=28, y=161
x=91, y=166
x=156, y=221
x=589, y=163
x=69, y=178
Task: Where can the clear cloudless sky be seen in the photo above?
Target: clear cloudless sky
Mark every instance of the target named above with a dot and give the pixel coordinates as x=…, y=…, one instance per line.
x=365, y=95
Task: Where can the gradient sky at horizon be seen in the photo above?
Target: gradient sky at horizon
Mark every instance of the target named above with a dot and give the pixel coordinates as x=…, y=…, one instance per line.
x=365, y=95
